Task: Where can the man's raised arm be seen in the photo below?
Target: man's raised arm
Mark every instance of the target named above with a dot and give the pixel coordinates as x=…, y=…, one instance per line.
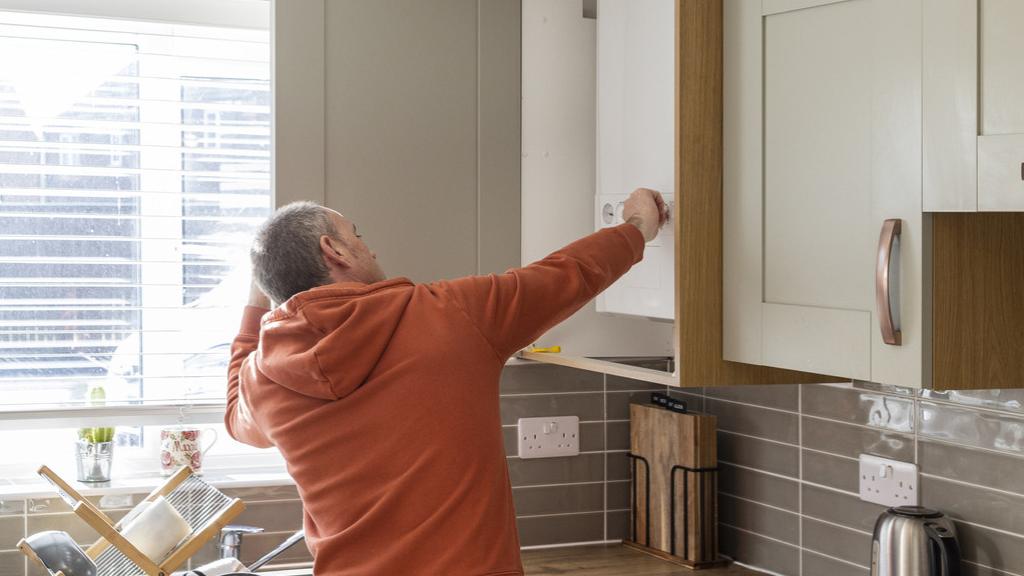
x=513, y=309
x=238, y=418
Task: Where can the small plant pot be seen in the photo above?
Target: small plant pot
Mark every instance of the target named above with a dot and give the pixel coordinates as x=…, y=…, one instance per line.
x=93, y=460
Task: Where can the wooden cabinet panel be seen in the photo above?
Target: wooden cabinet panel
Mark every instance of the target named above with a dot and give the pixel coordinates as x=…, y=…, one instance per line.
x=978, y=315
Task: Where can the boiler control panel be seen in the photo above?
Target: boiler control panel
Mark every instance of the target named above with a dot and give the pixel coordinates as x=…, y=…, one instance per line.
x=648, y=289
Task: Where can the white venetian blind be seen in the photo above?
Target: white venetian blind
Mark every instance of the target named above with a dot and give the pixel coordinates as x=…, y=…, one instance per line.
x=134, y=168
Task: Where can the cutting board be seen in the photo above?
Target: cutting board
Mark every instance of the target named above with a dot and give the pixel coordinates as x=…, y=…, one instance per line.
x=665, y=439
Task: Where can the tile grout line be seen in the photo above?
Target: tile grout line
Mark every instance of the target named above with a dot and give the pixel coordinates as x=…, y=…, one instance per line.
x=561, y=514
x=747, y=404
x=992, y=528
x=514, y=426
x=558, y=393
x=994, y=451
x=759, y=535
x=857, y=425
x=604, y=431
x=827, y=453
x=567, y=545
x=800, y=472
x=762, y=438
x=973, y=485
x=836, y=525
x=1007, y=572
x=587, y=483
x=755, y=502
x=917, y=436
x=830, y=557
x=582, y=453
x=759, y=471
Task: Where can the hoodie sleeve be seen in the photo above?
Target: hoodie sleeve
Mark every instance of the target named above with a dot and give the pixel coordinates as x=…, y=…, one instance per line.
x=513, y=309
x=238, y=418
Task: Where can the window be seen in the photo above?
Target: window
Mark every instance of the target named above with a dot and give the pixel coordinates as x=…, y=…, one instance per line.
x=134, y=168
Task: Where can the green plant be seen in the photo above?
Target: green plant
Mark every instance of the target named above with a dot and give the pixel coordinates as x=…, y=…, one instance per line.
x=97, y=397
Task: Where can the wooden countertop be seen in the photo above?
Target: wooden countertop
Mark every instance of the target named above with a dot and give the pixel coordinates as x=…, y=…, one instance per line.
x=611, y=560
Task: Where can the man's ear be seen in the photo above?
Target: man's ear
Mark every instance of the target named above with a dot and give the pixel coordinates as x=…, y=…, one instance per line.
x=334, y=252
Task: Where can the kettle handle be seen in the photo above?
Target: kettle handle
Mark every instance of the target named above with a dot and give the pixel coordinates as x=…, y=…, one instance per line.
x=949, y=549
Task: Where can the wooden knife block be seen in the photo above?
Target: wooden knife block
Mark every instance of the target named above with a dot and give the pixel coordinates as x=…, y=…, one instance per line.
x=674, y=452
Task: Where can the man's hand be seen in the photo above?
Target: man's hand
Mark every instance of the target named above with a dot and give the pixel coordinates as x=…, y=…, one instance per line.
x=257, y=297
x=646, y=210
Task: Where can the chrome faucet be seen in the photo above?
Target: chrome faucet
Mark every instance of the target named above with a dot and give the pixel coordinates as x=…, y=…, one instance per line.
x=230, y=545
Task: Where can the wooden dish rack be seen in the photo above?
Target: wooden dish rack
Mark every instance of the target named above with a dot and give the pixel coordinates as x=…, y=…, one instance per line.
x=205, y=508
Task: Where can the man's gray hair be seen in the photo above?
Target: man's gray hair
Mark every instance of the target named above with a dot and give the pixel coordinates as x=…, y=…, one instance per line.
x=286, y=257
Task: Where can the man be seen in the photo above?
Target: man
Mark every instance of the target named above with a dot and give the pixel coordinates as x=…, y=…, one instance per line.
x=382, y=395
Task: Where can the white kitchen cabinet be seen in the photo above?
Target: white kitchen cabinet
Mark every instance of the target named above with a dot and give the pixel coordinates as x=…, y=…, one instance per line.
x=839, y=138
x=973, y=105
x=822, y=147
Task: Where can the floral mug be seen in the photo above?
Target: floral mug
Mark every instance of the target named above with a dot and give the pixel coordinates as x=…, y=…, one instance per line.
x=180, y=446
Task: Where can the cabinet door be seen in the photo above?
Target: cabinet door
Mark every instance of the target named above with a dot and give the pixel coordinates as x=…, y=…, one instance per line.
x=1001, y=98
x=822, y=145
x=973, y=105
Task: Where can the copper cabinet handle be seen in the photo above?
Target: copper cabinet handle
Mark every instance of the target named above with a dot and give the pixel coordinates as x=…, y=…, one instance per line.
x=887, y=243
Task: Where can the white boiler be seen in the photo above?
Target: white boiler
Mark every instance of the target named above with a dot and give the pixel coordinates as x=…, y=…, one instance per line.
x=636, y=140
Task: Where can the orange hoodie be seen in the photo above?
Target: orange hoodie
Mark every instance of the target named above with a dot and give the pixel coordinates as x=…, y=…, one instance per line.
x=383, y=400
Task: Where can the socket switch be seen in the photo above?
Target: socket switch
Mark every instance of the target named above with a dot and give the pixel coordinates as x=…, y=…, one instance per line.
x=549, y=437
x=888, y=482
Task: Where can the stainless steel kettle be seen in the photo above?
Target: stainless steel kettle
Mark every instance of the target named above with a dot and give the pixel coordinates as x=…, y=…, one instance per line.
x=914, y=541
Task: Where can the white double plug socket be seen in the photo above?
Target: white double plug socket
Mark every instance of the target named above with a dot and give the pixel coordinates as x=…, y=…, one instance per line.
x=549, y=437
x=888, y=482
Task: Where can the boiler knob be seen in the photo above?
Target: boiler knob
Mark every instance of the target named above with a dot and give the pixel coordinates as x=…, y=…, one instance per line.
x=608, y=213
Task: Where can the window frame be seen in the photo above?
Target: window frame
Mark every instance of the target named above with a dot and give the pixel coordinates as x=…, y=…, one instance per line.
x=225, y=13
x=242, y=14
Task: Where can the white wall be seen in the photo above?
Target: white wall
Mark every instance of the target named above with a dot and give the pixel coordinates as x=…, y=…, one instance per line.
x=404, y=116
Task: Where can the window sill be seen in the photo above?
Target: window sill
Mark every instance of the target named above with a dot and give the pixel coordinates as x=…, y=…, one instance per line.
x=24, y=488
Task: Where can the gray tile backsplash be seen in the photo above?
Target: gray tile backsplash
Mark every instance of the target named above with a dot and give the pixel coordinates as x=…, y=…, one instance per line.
x=859, y=406
x=754, y=421
x=753, y=517
x=757, y=550
x=582, y=498
x=969, y=447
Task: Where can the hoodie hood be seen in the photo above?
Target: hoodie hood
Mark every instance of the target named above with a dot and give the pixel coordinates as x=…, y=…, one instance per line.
x=325, y=342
